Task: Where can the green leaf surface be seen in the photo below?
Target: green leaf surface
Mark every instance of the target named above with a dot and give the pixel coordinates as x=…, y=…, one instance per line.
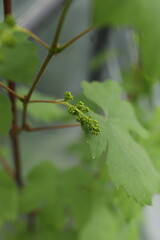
x=145, y=21
x=39, y=189
x=102, y=225
x=105, y=223
x=123, y=13
x=8, y=198
x=75, y=194
x=128, y=163
x=44, y=112
x=18, y=56
x=6, y=117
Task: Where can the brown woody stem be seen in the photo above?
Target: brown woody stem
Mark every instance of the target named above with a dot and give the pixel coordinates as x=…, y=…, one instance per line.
x=13, y=134
x=7, y=5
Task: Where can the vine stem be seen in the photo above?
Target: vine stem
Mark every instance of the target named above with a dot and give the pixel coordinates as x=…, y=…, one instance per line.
x=13, y=135
x=7, y=5
x=28, y=96
x=60, y=23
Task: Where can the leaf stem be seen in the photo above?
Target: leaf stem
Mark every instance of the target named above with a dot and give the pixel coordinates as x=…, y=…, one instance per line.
x=48, y=101
x=11, y=91
x=34, y=36
x=30, y=129
x=76, y=38
x=60, y=23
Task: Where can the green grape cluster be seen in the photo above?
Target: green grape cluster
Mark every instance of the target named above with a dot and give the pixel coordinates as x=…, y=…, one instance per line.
x=89, y=122
x=82, y=107
x=80, y=111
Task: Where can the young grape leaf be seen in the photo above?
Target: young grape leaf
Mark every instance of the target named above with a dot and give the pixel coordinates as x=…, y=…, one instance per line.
x=6, y=117
x=44, y=112
x=18, y=56
x=128, y=163
x=8, y=198
x=39, y=189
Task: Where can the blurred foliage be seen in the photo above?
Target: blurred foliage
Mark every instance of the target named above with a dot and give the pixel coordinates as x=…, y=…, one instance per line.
x=102, y=195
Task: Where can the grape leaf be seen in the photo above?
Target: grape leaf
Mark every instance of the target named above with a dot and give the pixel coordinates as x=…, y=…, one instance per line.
x=8, y=198
x=6, y=117
x=146, y=21
x=18, y=56
x=102, y=225
x=44, y=112
x=105, y=223
x=128, y=163
x=75, y=194
x=40, y=187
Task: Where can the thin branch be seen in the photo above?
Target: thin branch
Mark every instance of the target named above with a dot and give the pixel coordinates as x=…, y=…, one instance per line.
x=41, y=71
x=30, y=129
x=7, y=167
x=34, y=36
x=48, y=101
x=60, y=23
x=7, y=5
x=75, y=38
x=29, y=94
x=11, y=91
